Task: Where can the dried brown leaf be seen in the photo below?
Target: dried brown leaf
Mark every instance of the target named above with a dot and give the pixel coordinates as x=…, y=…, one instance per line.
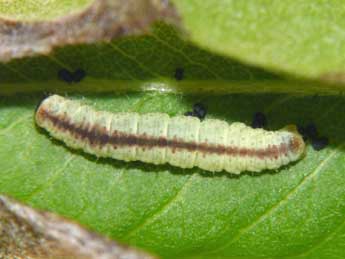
x=103, y=20
x=29, y=233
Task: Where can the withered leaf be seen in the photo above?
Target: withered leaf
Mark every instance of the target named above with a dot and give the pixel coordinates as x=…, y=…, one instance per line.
x=103, y=20
x=29, y=233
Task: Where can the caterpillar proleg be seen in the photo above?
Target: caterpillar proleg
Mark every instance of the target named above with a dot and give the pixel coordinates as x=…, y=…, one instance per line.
x=186, y=142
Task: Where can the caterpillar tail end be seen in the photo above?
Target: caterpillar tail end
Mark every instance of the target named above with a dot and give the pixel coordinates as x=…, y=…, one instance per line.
x=296, y=144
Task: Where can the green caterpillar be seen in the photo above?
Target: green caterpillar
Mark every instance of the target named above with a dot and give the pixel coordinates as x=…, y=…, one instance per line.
x=181, y=141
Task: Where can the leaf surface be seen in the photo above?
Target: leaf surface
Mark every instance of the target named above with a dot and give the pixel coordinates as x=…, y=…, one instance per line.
x=31, y=10
x=303, y=38
x=295, y=212
x=175, y=212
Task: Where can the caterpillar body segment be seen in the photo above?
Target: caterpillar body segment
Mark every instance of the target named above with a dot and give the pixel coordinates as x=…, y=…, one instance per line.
x=181, y=141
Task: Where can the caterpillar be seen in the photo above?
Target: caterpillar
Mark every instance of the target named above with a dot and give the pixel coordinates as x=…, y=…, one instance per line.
x=186, y=142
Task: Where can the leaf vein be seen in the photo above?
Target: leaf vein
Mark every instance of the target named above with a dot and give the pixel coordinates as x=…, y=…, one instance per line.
x=22, y=75
x=190, y=60
x=164, y=207
x=59, y=62
x=13, y=124
x=133, y=59
x=285, y=199
x=277, y=102
x=51, y=179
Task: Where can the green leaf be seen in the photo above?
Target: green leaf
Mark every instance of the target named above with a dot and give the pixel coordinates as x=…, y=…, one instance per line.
x=145, y=57
x=148, y=62
x=295, y=212
x=173, y=212
x=40, y=9
x=303, y=37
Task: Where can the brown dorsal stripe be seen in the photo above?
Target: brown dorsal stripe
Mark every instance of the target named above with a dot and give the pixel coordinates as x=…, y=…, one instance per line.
x=98, y=136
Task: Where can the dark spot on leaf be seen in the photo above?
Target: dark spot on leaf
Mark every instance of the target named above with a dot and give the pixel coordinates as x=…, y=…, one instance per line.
x=78, y=75
x=311, y=131
x=69, y=77
x=189, y=114
x=259, y=120
x=319, y=143
x=301, y=130
x=65, y=75
x=199, y=110
x=179, y=73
